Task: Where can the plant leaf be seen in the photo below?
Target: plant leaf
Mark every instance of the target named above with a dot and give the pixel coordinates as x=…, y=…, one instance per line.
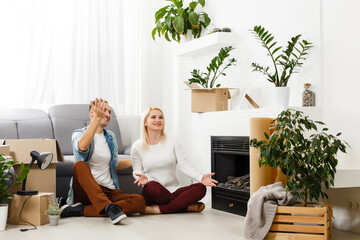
x=194, y=20
x=178, y=24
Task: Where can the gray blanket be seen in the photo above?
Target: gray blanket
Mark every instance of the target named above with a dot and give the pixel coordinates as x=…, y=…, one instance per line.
x=261, y=209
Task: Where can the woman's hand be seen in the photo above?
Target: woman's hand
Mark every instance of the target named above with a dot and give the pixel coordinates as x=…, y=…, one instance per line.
x=141, y=180
x=208, y=181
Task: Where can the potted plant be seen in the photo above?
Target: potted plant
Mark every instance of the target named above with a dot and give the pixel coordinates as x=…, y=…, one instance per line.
x=303, y=152
x=207, y=80
x=285, y=63
x=174, y=20
x=54, y=210
x=214, y=70
x=7, y=176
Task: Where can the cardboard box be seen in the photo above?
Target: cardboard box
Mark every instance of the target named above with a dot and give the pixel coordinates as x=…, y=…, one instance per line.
x=209, y=99
x=34, y=209
x=37, y=179
x=5, y=149
x=20, y=149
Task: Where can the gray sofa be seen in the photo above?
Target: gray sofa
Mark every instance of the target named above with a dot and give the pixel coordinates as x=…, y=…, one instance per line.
x=59, y=123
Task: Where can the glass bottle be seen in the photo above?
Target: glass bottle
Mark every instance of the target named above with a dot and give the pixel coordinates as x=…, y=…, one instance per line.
x=308, y=96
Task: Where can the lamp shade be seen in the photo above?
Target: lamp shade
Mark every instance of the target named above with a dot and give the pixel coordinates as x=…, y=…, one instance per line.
x=43, y=159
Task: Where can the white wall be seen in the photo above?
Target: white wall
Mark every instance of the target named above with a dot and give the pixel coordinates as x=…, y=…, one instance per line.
x=331, y=67
x=341, y=96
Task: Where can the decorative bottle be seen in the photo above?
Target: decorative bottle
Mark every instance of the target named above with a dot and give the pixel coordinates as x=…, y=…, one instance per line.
x=308, y=96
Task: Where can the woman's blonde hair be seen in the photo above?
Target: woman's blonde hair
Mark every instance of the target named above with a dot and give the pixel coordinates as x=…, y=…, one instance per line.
x=144, y=132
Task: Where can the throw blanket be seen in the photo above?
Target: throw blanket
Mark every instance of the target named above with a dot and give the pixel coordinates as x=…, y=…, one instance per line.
x=261, y=209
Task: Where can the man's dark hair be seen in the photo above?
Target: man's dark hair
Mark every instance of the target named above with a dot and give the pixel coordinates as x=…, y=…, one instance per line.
x=94, y=103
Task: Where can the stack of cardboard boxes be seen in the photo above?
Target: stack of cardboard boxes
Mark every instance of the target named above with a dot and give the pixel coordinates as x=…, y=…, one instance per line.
x=44, y=181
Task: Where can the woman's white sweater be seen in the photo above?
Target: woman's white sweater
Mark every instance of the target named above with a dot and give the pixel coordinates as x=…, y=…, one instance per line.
x=158, y=162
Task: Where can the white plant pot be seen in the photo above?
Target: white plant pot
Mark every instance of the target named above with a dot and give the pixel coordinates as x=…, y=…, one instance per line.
x=54, y=220
x=282, y=96
x=3, y=216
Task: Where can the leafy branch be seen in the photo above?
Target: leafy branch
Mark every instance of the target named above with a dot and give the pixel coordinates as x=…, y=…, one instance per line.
x=286, y=63
x=214, y=70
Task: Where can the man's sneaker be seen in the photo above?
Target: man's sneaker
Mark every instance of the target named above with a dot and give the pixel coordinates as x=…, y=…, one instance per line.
x=115, y=213
x=75, y=210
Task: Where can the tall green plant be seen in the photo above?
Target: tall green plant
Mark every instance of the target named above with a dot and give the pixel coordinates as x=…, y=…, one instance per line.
x=285, y=63
x=303, y=152
x=174, y=20
x=5, y=176
x=214, y=70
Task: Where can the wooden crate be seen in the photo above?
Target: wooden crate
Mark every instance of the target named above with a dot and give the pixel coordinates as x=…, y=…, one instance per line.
x=302, y=223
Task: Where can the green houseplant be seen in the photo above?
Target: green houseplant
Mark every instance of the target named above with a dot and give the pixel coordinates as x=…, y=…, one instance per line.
x=286, y=62
x=6, y=176
x=6, y=180
x=215, y=69
x=174, y=20
x=303, y=152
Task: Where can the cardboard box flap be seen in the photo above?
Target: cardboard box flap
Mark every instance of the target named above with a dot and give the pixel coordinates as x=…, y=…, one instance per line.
x=20, y=149
x=193, y=85
x=60, y=156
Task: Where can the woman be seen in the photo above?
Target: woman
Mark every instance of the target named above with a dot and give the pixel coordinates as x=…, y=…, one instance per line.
x=154, y=159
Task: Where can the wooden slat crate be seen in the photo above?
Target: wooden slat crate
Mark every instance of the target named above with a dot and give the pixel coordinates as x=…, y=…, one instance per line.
x=302, y=223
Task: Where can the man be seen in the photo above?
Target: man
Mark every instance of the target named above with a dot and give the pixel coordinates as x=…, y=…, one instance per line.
x=95, y=187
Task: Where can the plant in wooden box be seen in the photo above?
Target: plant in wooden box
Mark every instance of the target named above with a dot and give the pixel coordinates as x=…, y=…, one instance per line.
x=7, y=179
x=54, y=210
x=303, y=152
x=286, y=63
x=211, y=99
x=307, y=156
x=174, y=20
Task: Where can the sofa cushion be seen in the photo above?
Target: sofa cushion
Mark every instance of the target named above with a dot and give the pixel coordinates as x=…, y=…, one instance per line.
x=36, y=128
x=63, y=129
x=68, y=117
x=8, y=129
x=25, y=123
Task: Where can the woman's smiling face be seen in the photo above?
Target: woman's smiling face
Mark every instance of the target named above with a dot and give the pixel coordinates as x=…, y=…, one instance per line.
x=155, y=121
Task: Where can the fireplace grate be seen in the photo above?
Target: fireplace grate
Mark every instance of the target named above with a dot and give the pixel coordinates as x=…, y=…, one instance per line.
x=224, y=144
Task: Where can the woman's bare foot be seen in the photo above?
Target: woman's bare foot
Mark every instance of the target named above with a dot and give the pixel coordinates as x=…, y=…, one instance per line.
x=152, y=209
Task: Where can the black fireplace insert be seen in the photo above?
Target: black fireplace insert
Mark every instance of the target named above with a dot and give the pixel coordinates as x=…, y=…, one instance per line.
x=230, y=162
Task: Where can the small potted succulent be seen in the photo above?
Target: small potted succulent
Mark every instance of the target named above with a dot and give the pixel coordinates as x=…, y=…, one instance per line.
x=54, y=210
x=175, y=20
x=285, y=62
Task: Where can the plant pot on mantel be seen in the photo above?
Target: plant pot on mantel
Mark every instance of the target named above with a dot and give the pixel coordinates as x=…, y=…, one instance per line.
x=282, y=96
x=209, y=99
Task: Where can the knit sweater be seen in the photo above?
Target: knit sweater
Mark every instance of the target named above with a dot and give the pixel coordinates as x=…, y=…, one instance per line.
x=159, y=161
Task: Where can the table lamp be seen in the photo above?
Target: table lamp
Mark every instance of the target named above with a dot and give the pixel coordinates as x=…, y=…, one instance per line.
x=43, y=160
